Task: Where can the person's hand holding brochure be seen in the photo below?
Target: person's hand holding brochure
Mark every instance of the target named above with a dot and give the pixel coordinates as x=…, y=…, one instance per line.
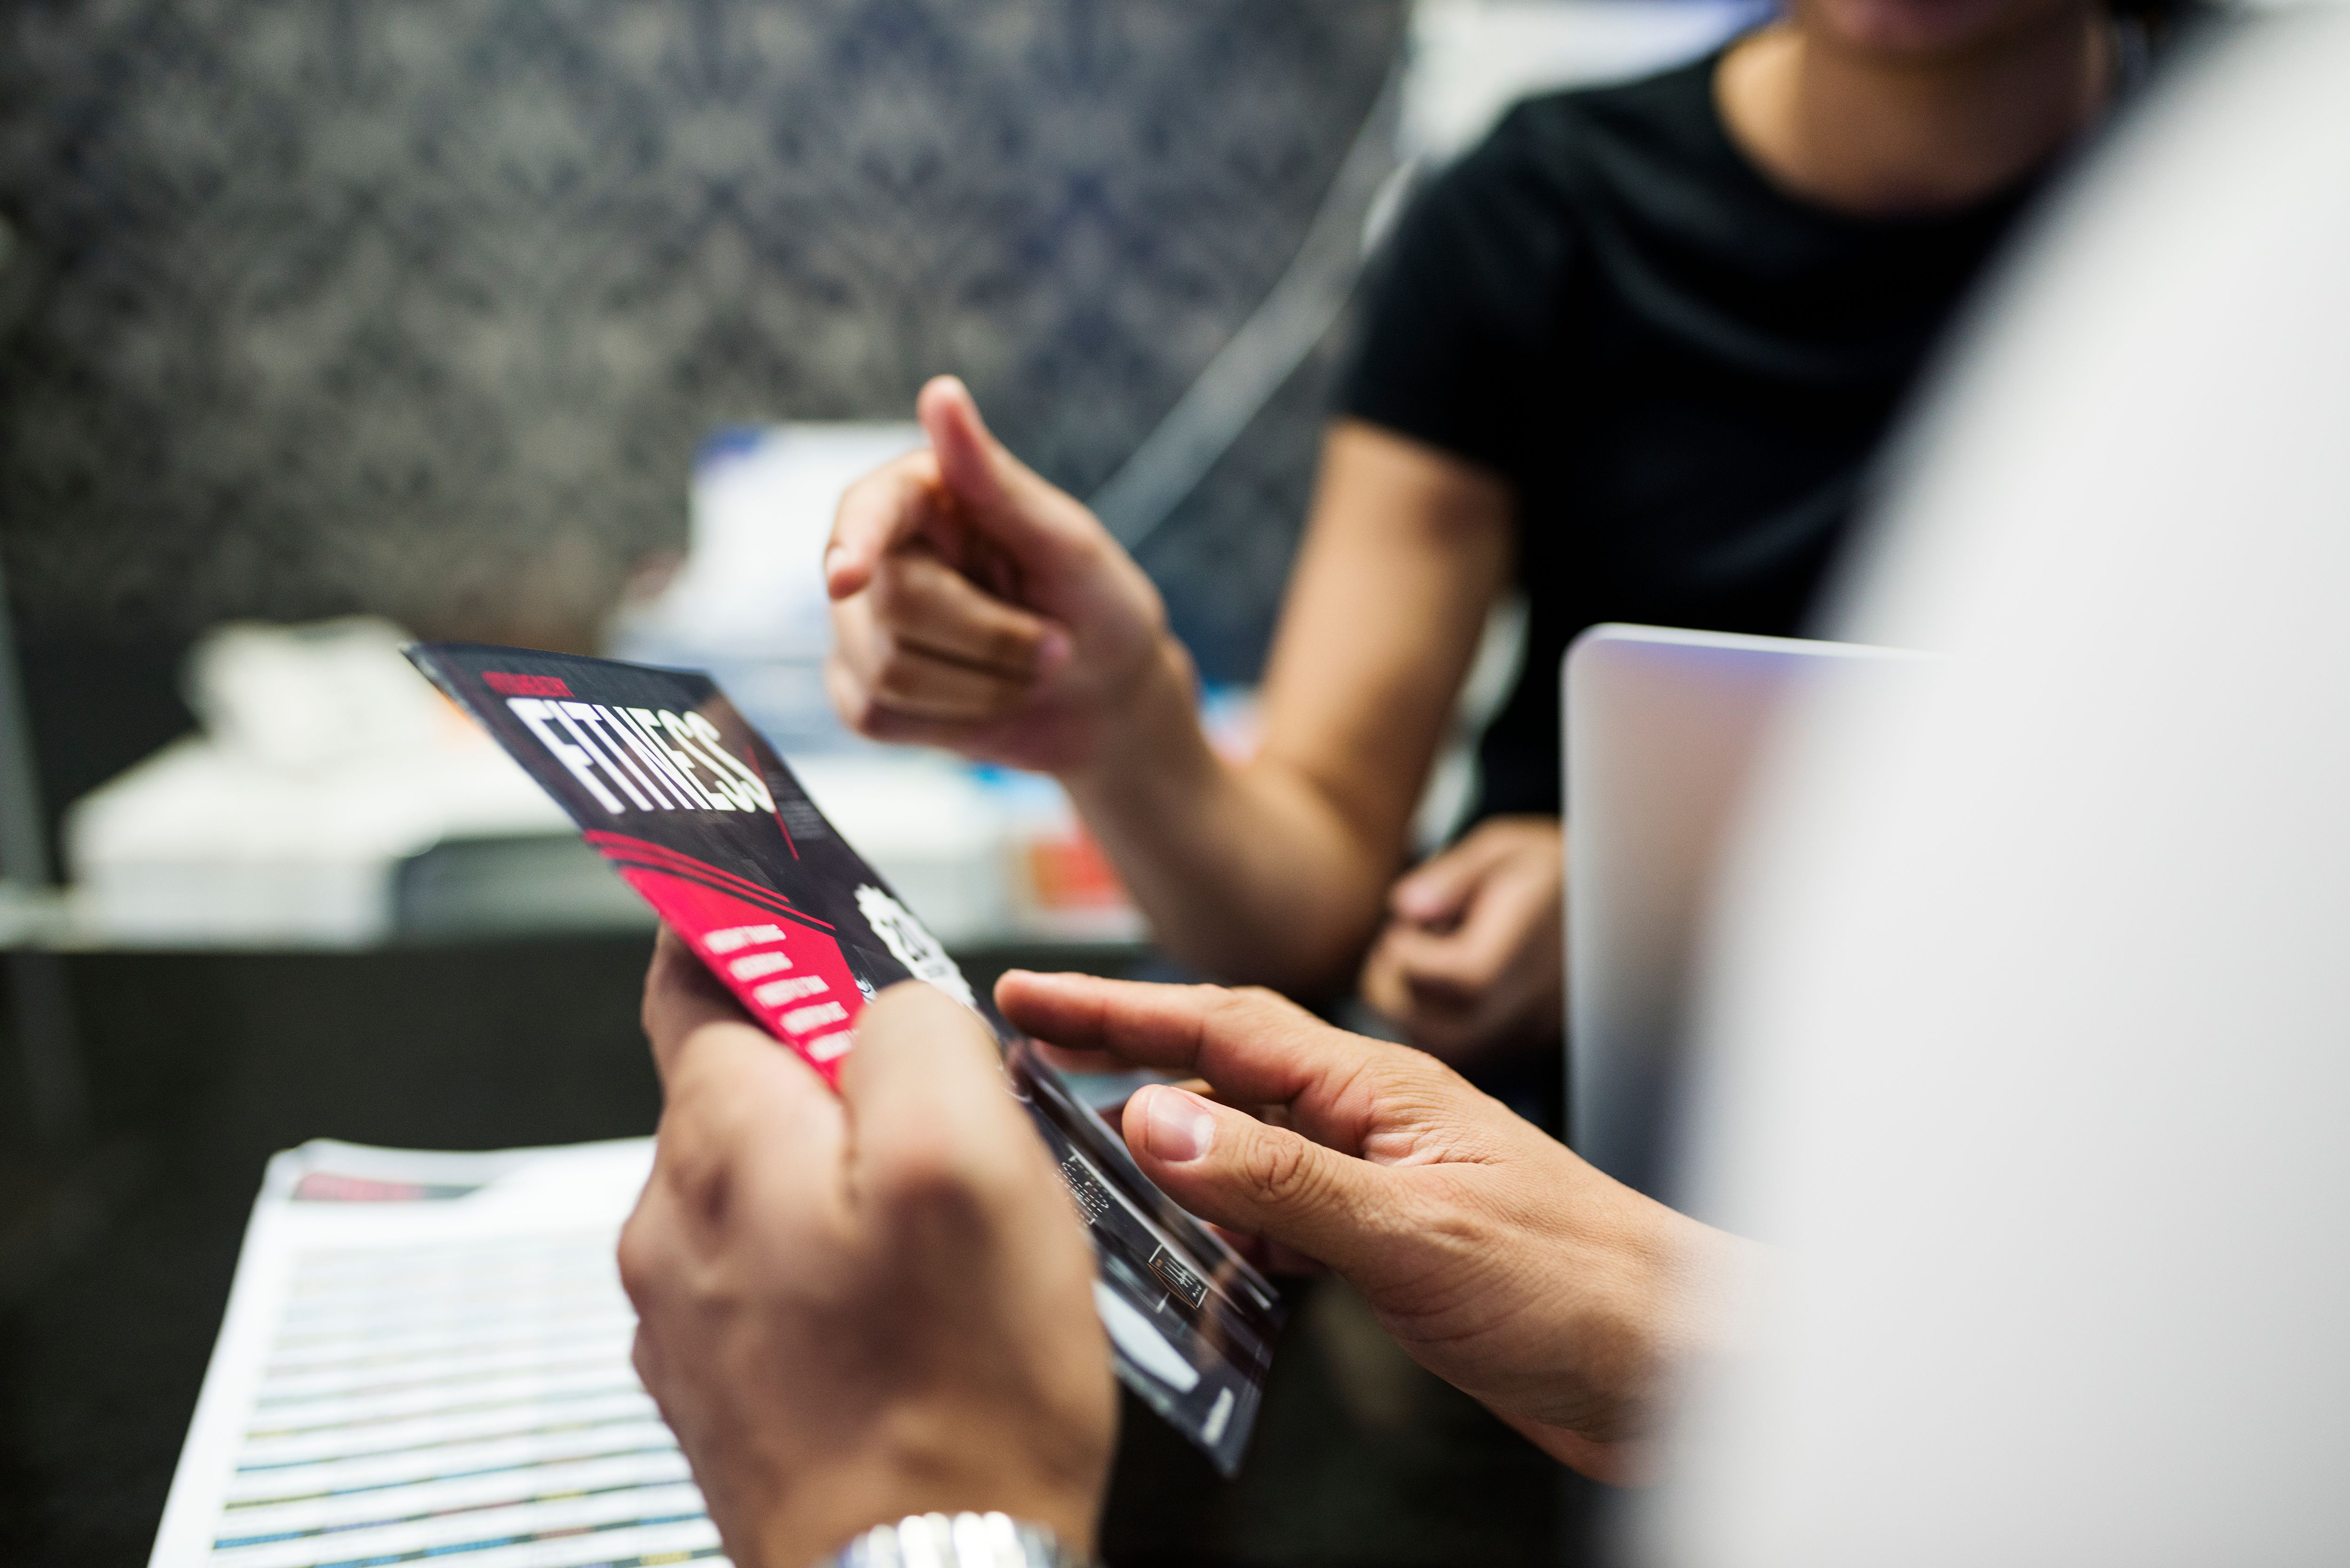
x=702, y=817
x=1503, y=1263
x=859, y=1306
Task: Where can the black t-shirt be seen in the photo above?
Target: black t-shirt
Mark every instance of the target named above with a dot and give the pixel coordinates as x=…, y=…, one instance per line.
x=1682, y=370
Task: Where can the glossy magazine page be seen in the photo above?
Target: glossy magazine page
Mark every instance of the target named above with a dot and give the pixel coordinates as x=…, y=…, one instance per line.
x=702, y=817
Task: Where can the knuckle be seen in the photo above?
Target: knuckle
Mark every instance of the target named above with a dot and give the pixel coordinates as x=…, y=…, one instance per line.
x=850, y=696
x=1009, y=643
x=867, y=717
x=931, y=1187
x=647, y=1362
x=1253, y=1012
x=1418, y=1218
x=904, y=676
x=913, y=477
x=697, y=1177
x=639, y=1255
x=897, y=680
x=1412, y=1077
x=953, y=1171
x=1254, y=1004
x=649, y=1005
x=1279, y=1171
x=996, y=699
x=897, y=590
x=851, y=618
x=1086, y=538
x=884, y=652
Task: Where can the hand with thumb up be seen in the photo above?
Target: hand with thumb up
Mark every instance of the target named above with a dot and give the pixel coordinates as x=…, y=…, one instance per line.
x=979, y=607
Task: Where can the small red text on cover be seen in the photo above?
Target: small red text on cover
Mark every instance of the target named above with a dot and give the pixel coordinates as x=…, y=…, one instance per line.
x=507, y=685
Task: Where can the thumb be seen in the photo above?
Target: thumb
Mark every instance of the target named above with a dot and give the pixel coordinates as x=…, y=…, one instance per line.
x=925, y=1096
x=1233, y=1170
x=998, y=493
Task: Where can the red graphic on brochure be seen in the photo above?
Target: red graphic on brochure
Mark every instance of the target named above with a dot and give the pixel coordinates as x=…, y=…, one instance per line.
x=789, y=973
x=668, y=783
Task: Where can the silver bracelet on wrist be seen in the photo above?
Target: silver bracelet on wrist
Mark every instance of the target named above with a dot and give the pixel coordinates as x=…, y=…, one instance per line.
x=957, y=1541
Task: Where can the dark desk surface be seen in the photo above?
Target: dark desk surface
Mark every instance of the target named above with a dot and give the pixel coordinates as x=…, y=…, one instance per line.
x=203, y=1065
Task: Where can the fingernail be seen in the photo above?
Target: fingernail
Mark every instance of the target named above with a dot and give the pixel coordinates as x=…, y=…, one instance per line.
x=1176, y=1125
x=831, y=561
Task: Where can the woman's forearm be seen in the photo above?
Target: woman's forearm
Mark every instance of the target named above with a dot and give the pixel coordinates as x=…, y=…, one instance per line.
x=1248, y=872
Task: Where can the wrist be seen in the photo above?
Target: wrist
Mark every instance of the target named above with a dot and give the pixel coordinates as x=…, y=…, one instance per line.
x=1676, y=1309
x=811, y=1521
x=1147, y=726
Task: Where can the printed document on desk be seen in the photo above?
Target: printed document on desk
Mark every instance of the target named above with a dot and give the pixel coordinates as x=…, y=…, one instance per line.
x=427, y=1356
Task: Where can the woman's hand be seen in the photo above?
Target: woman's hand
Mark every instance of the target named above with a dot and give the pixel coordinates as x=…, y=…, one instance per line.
x=1566, y=1302
x=978, y=608
x=861, y=1306
x=1472, y=960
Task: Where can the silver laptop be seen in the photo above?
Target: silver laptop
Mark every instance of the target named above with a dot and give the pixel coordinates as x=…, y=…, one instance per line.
x=1663, y=730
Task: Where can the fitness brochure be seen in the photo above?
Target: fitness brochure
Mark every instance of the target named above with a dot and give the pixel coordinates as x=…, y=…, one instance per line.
x=702, y=817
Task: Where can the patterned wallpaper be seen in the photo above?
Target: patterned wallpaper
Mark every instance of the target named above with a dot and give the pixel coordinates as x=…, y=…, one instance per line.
x=421, y=306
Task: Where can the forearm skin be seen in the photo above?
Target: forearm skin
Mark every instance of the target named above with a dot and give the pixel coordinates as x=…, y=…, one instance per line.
x=1248, y=873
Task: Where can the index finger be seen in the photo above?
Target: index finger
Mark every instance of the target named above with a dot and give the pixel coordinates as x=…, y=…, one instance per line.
x=1252, y=1047
x=681, y=996
x=747, y=1127
x=877, y=514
